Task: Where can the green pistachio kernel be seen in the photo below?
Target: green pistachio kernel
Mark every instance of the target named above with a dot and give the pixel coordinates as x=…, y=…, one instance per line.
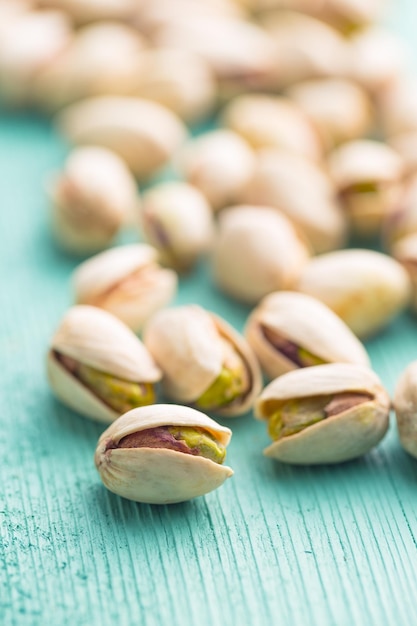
x=201, y=441
x=121, y=395
x=308, y=359
x=229, y=385
x=364, y=187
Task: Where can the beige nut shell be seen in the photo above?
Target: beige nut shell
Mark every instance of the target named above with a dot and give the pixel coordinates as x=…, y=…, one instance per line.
x=159, y=476
x=405, y=405
x=308, y=323
x=97, y=339
x=338, y=438
x=186, y=344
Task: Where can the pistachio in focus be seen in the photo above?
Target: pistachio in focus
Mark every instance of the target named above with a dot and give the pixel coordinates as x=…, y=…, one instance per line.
x=93, y=197
x=257, y=251
x=288, y=331
x=98, y=367
x=127, y=281
x=367, y=175
x=178, y=221
x=405, y=406
x=143, y=133
x=366, y=289
x=324, y=414
x=163, y=454
x=205, y=362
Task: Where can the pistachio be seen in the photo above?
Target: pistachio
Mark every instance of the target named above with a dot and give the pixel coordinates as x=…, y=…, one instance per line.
x=324, y=414
x=365, y=289
x=289, y=330
x=276, y=182
x=177, y=79
x=405, y=252
x=177, y=219
x=349, y=15
x=143, y=133
x=403, y=221
x=367, y=175
x=86, y=11
x=405, y=144
x=102, y=59
x=398, y=106
x=256, y=252
x=205, y=362
x=405, y=406
x=339, y=109
x=126, y=281
x=220, y=164
x=272, y=122
x=98, y=367
x=163, y=454
x=91, y=200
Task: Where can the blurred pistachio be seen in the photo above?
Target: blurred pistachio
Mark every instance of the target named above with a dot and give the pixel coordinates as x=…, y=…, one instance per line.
x=27, y=45
x=405, y=251
x=178, y=221
x=350, y=15
x=257, y=251
x=205, y=362
x=403, y=221
x=294, y=185
x=126, y=281
x=272, y=122
x=398, y=106
x=85, y=11
x=405, y=405
x=289, y=331
x=339, y=109
x=367, y=175
x=220, y=164
x=405, y=144
x=365, y=288
x=98, y=367
x=145, y=134
x=91, y=200
x=163, y=454
x=177, y=79
x=102, y=59
x=324, y=414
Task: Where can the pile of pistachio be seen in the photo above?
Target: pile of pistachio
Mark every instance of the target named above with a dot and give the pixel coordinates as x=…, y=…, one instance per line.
x=315, y=141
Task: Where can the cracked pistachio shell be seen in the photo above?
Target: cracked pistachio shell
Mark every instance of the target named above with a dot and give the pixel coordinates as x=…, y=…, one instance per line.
x=257, y=251
x=102, y=59
x=405, y=252
x=127, y=281
x=27, y=45
x=306, y=323
x=188, y=345
x=377, y=58
x=276, y=182
x=159, y=475
x=178, y=79
x=220, y=164
x=272, y=122
x=405, y=406
x=367, y=174
x=339, y=109
x=177, y=219
x=305, y=48
x=99, y=340
x=366, y=289
x=91, y=199
x=341, y=437
x=86, y=11
x=143, y=133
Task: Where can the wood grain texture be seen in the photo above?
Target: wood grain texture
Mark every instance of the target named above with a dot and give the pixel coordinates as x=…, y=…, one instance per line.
x=275, y=545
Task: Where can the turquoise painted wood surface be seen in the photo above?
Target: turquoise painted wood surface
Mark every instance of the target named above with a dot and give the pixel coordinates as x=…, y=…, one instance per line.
x=275, y=545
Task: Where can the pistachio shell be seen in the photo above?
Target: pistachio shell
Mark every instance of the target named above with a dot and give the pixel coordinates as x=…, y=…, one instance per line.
x=308, y=324
x=177, y=219
x=85, y=11
x=341, y=437
x=187, y=344
x=403, y=221
x=256, y=252
x=276, y=182
x=405, y=405
x=405, y=252
x=126, y=281
x=99, y=340
x=405, y=144
x=145, y=134
x=91, y=199
x=365, y=288
x=398, y=106
x=159, y=475
x=220, y=164
x=272, y=122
